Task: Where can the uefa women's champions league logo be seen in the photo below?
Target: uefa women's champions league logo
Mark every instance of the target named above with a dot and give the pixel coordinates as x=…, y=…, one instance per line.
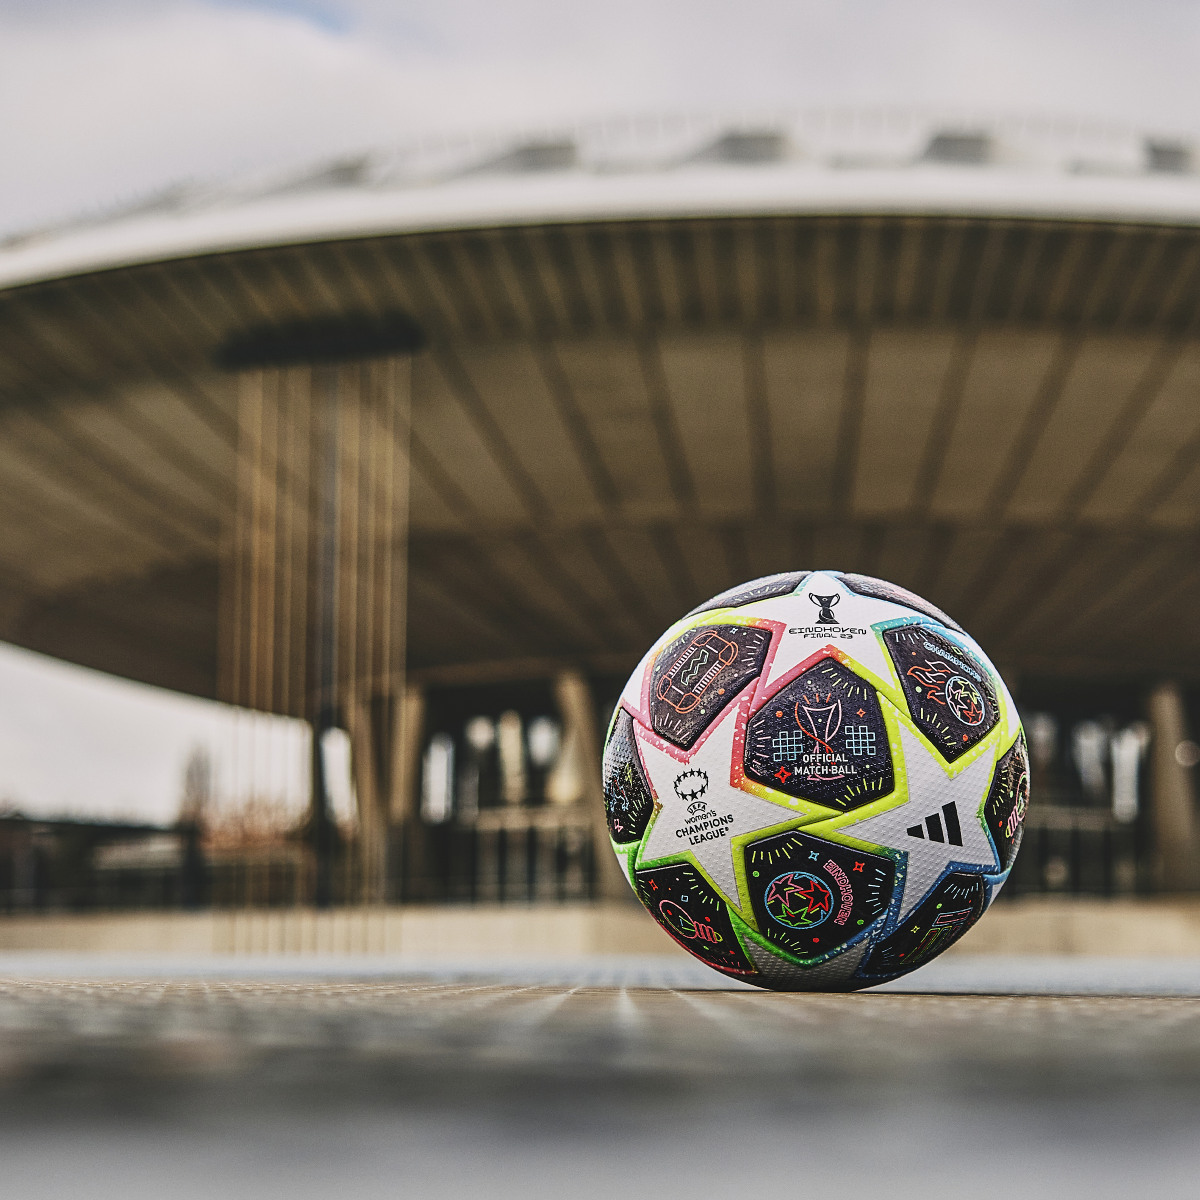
x=690, y=785
x=698, y=823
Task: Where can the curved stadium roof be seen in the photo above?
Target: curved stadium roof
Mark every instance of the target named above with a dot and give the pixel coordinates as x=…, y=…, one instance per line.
x=835, y=162
x=661, y=357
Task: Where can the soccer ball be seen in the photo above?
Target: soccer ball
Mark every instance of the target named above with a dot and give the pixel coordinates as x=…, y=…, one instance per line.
x=815, y=781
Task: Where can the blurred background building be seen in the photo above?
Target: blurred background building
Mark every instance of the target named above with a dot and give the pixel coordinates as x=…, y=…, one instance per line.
x=423, y=449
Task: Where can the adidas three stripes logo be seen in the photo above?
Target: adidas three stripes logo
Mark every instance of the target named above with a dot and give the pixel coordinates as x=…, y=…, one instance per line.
x=934, y=829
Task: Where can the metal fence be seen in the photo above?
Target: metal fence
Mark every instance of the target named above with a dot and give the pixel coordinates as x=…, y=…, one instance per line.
x=1081, y=851
x=518, y=855
x=510, y=858
x=514, y=855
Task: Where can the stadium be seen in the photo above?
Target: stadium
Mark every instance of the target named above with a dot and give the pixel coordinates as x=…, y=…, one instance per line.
x=429, y=445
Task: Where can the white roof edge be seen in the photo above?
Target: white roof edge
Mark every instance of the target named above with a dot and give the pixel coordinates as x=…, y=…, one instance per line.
x=483, y=201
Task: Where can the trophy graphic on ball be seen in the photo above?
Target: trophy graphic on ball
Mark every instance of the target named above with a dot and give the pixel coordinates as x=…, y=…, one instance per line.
x=826, y=605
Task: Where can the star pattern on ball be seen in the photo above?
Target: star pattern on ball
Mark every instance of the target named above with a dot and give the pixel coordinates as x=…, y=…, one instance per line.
x=802, y=899
x=631, y=694
x=702, y=810
x=847, y=625
x=940, y=826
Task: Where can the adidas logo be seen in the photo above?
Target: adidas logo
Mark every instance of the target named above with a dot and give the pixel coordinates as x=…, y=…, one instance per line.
x=951, y=832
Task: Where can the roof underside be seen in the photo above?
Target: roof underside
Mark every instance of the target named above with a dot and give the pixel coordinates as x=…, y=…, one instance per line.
x=613, y=421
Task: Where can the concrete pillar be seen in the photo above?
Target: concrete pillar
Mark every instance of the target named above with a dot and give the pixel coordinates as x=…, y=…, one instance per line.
x=314, y=579
x=579, y=720
x=375, y=413
x=406, y=753
x=1174, y=812
x=324, y=536
x=369, y=738
x=408, y=732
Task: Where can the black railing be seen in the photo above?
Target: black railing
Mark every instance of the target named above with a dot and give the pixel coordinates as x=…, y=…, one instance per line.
x=1079, y=851
x=501, y=863
x=510, y=856
x=507, y=855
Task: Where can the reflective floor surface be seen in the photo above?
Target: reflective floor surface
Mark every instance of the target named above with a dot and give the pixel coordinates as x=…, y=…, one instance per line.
x=306, y=1078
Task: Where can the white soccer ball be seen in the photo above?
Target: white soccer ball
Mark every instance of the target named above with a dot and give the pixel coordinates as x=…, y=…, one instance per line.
x=816, y=781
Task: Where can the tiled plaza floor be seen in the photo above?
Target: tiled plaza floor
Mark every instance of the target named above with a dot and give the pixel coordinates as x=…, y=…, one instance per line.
x=298, y=1079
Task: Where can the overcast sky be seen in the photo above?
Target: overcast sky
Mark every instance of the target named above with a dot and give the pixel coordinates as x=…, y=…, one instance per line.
x=106, y=100
x=80, y=743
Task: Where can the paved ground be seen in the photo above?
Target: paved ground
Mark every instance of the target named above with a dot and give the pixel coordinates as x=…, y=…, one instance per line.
x=275, y=1079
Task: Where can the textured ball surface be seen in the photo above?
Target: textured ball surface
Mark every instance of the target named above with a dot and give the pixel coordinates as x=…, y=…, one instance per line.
x=815, y=781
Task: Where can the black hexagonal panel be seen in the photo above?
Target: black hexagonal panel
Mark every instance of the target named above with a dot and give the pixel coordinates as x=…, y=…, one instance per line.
x=699, y=673
x=810, y=896
x=1007, y=802
x=880, y=589
x=756, y=589
x=822, y=738
x=949, y=691
x=953, y=906
x=627, y=800
x=683, y=903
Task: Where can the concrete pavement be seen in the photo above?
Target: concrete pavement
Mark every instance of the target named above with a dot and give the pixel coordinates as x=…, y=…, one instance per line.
x=204, y=1078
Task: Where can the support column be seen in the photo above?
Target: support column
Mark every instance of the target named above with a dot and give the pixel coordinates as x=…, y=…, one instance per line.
x=326, y=553
x=1174, y=810
x=365, y=753
x=408, y=731
x=579, y=718
x=409, y=726
x=313, y=620
x=373, y=630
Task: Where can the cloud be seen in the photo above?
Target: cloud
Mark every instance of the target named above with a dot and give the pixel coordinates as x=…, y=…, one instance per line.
x=114, y=98
x=110, y=109
x=1076, y=55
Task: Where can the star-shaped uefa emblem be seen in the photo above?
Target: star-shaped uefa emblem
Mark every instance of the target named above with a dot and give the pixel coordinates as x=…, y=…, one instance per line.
x=939, y=826
x=704, y=812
